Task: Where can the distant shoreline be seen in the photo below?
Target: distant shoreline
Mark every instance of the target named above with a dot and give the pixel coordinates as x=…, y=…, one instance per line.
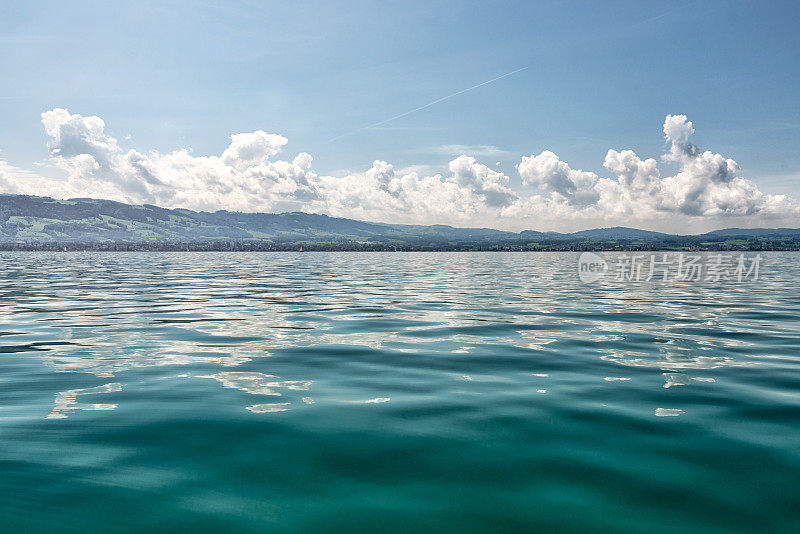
x=43, y=223
x=310, y=248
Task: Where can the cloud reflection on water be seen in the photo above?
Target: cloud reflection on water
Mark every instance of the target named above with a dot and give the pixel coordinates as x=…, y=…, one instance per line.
x=67, y=401
x=452, y=312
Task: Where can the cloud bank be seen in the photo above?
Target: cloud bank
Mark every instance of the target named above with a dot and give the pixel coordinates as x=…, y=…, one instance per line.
x=707, y=191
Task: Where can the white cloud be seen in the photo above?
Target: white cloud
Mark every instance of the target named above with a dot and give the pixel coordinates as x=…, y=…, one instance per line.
x=706, y=191
x=382, y=194
x=557, y=177
x=633, y=173
x=243, y=177
x=709, y=184
x=707, y=187
x=491, y=186
x=249, y=149
x=20, y=181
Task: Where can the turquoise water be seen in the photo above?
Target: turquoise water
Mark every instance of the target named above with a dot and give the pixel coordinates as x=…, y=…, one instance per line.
x=393, y=392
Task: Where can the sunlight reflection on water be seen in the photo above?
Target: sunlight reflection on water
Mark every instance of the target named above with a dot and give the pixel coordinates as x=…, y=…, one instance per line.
x=499, y=362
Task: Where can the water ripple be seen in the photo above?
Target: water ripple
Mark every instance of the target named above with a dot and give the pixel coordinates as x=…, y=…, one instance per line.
x=469, y=389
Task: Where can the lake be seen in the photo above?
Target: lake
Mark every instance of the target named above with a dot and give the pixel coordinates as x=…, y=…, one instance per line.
x=394, y=392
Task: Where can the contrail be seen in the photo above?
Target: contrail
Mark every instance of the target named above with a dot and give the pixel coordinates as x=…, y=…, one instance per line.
x=429, y=104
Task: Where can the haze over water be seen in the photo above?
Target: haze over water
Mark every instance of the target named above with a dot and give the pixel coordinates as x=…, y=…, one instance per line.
x=393, y=392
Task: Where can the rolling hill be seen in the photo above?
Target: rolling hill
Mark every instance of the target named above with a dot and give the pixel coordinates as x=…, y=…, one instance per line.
x=31, y=221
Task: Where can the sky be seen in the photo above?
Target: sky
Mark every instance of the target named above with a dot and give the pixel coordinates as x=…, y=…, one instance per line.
x=512, y=115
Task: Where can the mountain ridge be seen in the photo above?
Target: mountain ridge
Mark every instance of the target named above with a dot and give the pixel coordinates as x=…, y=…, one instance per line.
x=34, y=219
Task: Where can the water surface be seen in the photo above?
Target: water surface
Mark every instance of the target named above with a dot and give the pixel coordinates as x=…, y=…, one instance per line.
x=393, y=392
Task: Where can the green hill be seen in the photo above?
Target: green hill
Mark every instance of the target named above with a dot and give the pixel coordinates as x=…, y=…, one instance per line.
x=43, y=222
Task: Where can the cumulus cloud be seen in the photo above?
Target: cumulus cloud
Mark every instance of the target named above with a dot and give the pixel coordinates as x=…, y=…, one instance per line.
x=563, y=182
x=382, y=194
x=491, y=186
x=243, y=177
x=707, y=185
x=251, y=175
x=633, y=173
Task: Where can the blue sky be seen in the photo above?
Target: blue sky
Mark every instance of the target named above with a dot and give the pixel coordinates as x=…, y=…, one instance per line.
x=596, y=76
